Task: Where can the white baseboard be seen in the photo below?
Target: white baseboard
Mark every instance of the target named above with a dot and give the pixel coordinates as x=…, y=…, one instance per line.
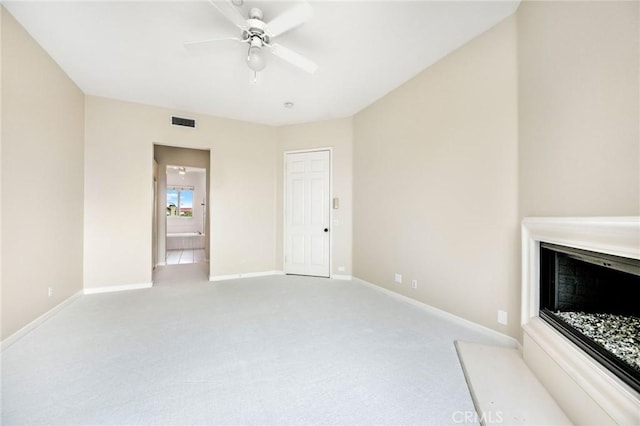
x=36, y=322
x=341, y=277
x=110, y=289
x=247, y=275
x=493, y=334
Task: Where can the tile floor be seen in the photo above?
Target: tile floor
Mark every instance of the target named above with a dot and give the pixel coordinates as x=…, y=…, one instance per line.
x=179, y=257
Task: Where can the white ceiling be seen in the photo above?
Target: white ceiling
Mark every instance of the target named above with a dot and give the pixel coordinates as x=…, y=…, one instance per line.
x=134, y=51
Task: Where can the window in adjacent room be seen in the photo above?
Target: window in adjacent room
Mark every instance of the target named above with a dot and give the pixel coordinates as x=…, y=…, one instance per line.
x=180, y=201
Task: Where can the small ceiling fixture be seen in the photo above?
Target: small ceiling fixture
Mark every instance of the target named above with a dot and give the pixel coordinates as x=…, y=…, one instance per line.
x=288, y=105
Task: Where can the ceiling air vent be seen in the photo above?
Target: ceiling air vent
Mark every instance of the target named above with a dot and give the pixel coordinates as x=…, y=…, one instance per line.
x=187, y=122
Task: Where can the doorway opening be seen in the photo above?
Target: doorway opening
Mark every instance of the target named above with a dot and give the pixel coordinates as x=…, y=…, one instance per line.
x=181, y=207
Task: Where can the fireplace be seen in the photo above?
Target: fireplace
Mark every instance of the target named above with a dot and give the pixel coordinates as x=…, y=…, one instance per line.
x=575, y=272
x=594, y=300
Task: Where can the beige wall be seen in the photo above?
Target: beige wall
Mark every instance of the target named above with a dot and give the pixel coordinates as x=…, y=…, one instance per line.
x=435, y=184
x=579, y=137
x=119, y=142
x=42, y=169
x=337, y=134
x=579, y=116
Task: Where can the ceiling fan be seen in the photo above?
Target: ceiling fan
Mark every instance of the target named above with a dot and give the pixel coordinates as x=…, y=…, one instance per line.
x=258, y=34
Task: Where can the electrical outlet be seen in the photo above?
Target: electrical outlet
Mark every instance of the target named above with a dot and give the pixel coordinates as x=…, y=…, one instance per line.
x=398, y=278
x=50, y=291
x=502, y=317
x=414, y=283
x=341, y=268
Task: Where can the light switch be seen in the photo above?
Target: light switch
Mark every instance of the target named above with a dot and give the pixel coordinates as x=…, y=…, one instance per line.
x=502, y=317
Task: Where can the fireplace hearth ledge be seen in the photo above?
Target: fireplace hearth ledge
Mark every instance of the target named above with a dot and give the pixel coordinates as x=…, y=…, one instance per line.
x=618, y=236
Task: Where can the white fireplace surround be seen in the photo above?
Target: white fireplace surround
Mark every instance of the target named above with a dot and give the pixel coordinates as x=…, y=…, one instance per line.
x=618, y=236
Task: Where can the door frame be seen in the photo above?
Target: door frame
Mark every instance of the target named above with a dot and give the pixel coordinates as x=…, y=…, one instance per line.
x=284, y=203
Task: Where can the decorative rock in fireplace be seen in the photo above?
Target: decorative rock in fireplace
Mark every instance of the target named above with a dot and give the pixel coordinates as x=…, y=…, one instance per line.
x=594, y=300
x=581, y=314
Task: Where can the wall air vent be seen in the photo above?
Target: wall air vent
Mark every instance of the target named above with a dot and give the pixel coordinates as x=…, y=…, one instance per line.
x=187, y=122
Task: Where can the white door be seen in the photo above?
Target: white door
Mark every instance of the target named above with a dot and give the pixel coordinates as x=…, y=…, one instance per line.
x=307, y=213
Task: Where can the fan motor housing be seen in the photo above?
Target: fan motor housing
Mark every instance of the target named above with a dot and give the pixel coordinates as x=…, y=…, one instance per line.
x=256, y=25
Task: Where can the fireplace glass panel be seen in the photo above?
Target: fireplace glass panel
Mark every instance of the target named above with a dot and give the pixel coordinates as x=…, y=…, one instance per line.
x=594, y=300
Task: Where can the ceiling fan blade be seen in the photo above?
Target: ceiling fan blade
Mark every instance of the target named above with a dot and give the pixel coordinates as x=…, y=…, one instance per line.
x=202, y=45
x=229, y=11
x=294, y=58
x=289, y=19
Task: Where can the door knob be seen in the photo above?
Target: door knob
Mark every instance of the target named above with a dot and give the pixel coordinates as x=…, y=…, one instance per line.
x=326, y=229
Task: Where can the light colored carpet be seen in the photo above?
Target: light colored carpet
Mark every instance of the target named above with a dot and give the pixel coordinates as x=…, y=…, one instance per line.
x=271, y=350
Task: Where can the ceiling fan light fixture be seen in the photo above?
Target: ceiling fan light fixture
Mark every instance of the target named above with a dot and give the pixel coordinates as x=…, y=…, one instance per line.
x=256, y=59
